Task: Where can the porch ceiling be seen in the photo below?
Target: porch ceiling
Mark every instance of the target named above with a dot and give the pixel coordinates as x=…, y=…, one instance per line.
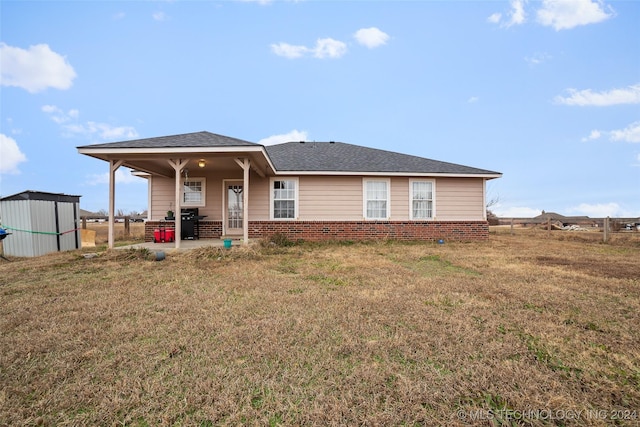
x=157, y=164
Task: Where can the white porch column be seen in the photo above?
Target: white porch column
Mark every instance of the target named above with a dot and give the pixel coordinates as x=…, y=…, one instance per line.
x=113, y=167
x=178, y=165
x=245, y=164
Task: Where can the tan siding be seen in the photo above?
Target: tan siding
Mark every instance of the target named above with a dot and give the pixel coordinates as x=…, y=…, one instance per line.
x=399, y=199
x=162, y=190
x=213, y=209
x=324, y=198
x=459, y=199
x=330, y=198
x=258, y=198
x=162, y=197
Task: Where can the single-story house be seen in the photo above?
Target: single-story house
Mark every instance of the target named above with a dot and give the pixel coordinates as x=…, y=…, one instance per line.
x=305, y=190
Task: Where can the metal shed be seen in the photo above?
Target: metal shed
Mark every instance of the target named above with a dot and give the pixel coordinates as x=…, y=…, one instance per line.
x=40, y=223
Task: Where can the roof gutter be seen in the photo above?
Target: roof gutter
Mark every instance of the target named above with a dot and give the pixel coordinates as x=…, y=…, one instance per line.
x=488, y=175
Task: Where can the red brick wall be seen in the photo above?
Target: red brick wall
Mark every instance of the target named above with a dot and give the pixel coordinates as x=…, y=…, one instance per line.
x=349, y=230
x=372, y=230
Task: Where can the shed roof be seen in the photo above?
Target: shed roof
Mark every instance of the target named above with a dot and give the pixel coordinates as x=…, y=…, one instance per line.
x=42, y=195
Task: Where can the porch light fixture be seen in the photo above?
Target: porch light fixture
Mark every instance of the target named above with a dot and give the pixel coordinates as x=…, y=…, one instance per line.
x=201, y=163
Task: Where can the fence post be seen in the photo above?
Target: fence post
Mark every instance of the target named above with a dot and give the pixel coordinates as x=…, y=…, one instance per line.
x=84, y=222
x=127, y=228
x=549, y=225
x=606, y=230
x=512, y=226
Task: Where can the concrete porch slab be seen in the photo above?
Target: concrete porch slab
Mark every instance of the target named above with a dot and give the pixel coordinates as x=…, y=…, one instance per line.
x=184, y=245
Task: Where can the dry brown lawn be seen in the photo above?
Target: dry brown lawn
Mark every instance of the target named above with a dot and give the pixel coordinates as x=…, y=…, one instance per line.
x=528, y=329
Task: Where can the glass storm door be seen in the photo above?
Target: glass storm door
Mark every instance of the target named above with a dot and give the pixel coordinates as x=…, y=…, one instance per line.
x=235, y=208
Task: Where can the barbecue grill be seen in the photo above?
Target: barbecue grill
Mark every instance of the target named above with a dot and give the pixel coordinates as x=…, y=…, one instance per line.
x=191, y=223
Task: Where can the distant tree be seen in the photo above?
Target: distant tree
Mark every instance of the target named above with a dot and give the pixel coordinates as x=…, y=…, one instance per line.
x=102, y=212
x=492, y=218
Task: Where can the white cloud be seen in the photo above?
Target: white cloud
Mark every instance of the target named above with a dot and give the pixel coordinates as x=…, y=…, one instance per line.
x=595, y=134
x=371, y=37
x=517, y=15
x=70, y=126
x=159, y=16
x=567, y=14
x=329, y=48
x=537, y=58
x=629, y=134
x=123, y=176
x=587, y=97
x=515, y=212
x=103, y=130
x=34, y=69
x=261, y=2
x=559, y=14
x=10, y=155
x=265, y=2
x=599, y=210
x=473, y=100
x=494, y=18
x=288, y=50
x=294, y=135
x=324, y=48
x=59, y=116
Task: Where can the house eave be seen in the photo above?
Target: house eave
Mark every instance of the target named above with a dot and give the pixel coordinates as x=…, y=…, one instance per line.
x=129, y=154
x=111, y=152
x=373, y=173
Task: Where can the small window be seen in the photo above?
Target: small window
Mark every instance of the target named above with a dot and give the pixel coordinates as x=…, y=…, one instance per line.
x=193, y=192
x=421, y=194
x=376, y=199
x=284, y=195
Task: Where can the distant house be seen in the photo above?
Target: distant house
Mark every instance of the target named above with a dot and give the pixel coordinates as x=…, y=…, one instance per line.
x=564, y=221
x=305, y=190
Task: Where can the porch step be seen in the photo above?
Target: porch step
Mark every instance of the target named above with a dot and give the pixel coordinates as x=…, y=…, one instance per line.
x=234, y=237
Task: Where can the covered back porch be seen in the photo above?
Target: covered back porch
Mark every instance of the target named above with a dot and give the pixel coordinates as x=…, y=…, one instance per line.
x=209, y=175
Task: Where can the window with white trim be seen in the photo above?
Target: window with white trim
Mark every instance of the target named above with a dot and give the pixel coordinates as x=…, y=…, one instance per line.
x=376, y=199
x=284, y=198
x=193, y=192
x=421, y=196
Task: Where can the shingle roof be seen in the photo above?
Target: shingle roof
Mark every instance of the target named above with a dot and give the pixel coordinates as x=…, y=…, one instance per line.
x=196, y=139
x=342, y=157
x=307, y=156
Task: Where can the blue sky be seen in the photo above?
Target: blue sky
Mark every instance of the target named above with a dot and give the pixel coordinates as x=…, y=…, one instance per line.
x=546, y=92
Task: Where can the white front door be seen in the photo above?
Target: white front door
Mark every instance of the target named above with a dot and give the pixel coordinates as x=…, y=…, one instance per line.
x=234, y=207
